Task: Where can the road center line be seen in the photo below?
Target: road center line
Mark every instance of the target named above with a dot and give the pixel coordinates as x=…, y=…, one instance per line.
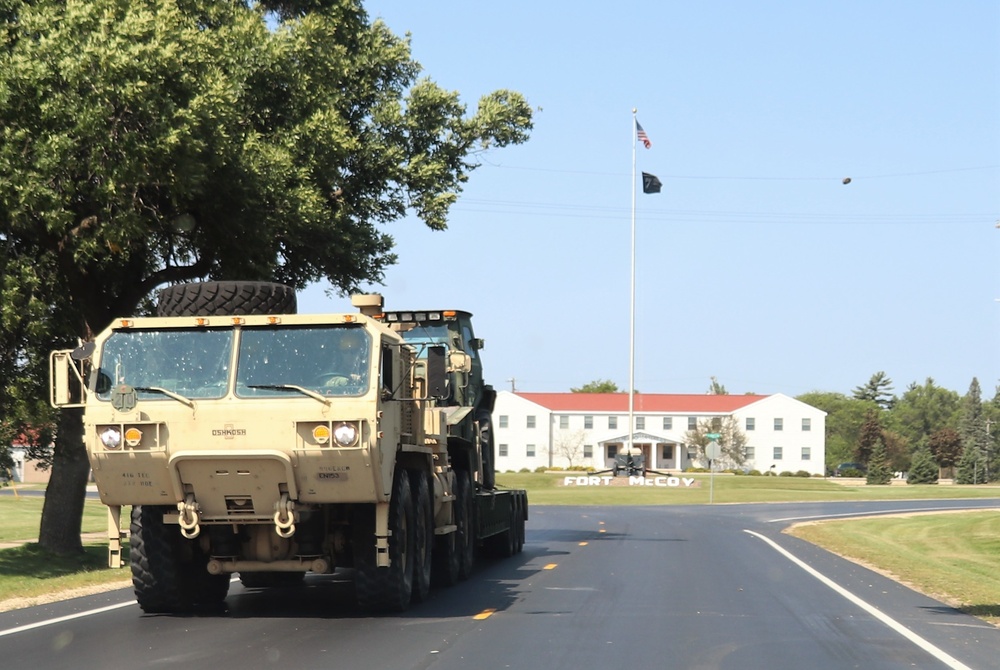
x=931, y=649
x=68, y=617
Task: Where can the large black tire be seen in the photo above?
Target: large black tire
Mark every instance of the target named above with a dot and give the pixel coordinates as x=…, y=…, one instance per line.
x=486, y=447
x=423, y=534
x=386, y=589
x=465, y=536
x=168, y=572
x=222, y=298
x=446, y=559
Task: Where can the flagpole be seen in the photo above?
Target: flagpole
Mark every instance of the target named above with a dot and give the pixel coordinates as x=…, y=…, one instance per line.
x=631, y=332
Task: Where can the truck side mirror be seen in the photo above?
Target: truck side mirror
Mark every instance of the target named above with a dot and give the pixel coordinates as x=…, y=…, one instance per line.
x=437, y=372
x=66, y=386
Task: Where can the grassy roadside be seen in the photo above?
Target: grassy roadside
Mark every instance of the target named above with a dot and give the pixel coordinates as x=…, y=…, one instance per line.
x=943, y=555
x=951, y=557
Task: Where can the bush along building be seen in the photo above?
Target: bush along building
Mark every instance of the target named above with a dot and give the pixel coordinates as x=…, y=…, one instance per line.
x=587, y=430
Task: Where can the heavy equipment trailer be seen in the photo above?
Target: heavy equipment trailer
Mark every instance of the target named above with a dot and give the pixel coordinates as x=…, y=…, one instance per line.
x=249, y=439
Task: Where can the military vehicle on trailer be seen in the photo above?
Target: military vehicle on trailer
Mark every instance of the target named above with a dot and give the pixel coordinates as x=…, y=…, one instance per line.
x=250, y=439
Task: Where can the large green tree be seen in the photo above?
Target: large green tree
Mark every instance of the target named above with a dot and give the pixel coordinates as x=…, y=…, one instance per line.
x=145, y=142
x=598, y=386
x=844, y=419
x=878, y=389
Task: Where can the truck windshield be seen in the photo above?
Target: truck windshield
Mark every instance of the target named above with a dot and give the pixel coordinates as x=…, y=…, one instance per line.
x=190, y=363
x=281, y=361
x=422, y=335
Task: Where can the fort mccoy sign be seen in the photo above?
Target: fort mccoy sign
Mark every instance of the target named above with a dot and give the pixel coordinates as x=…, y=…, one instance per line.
x=609, y=480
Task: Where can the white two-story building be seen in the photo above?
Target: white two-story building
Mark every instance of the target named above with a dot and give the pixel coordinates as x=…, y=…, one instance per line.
x=533, y=430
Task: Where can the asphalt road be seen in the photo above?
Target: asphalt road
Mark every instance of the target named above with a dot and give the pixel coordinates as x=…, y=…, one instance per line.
x=655, y=587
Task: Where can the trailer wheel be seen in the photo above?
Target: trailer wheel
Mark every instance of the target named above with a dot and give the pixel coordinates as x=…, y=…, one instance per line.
x=216, y=298
x=391, y=588
x=423, y=535
x=168, y=572
x=465, y=536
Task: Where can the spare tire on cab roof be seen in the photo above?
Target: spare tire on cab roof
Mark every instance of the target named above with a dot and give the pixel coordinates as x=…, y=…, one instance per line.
x=224, y=298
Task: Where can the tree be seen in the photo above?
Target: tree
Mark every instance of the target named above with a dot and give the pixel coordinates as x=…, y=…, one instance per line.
x=879, y=472
x=922, y=410
x=870, y=436
x=569, y=445
x=877, y=390
x=946, y=446
x=598, y=386
x=715, y=388
x=923, y=469
x=973, y=433
x=145, y=143
x=732, y=440
x=845, y=416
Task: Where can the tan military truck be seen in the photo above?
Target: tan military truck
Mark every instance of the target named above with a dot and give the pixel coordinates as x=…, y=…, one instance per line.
x=249, y=439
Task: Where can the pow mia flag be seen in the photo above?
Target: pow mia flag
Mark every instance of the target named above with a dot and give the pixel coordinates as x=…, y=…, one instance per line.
x=650, y=183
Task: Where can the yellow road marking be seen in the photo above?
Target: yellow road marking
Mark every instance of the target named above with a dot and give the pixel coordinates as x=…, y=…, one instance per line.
x=584, y=544
x=550, y=566
x=485, y=614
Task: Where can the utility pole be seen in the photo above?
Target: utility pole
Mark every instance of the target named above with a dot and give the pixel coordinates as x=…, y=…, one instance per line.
x=513, y=385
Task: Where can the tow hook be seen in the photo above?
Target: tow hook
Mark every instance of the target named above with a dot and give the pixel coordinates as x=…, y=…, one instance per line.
x=284, y=517
x=189, y=518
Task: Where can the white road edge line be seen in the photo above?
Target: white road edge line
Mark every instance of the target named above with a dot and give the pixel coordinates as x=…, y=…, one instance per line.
x=68, y=617
x=934, y=651
x=882, y=512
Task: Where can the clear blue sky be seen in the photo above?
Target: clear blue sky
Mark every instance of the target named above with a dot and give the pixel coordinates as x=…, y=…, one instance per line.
x=755, y=264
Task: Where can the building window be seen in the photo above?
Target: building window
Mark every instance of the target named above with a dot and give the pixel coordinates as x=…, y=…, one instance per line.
x=749, y=452
x=588, y=422
x=612, y=450
x=806, y=453
x=612, y=422
x=588, y=451
x=778, y=453
x=692, y=423
x=531, y=421
x=640, y=423
x=503, y=421
x=503, y=450
x=666, y=451
x=563, y=421
x=668, y=423
x=751, y=423
x=779, y=424
x=531, y=451
x=807, y=425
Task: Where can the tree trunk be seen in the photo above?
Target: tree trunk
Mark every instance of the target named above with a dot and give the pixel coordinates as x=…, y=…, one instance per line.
x=62, y=513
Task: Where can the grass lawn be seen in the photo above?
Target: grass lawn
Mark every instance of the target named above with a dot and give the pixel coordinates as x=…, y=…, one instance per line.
x=952, y=557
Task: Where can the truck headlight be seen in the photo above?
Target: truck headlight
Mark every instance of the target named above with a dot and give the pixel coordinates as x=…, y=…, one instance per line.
x=111, y=438
x=345, y=434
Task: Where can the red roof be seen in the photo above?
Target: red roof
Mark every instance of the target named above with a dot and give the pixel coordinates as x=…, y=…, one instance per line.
x=644, y=402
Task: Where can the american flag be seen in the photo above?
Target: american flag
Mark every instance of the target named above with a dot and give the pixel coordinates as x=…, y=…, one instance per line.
x=642, y=136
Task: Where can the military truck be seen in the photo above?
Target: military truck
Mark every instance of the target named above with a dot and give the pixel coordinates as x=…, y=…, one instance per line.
x=252, y=440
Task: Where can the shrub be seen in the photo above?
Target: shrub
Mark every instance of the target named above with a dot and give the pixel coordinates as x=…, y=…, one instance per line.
x=786, y=473
x=754, y=473
x=802, y=473
x=540, y=469
x=524, y=470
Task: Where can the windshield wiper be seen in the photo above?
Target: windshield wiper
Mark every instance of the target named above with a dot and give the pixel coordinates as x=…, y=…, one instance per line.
x=170, y=394
x=291, y=387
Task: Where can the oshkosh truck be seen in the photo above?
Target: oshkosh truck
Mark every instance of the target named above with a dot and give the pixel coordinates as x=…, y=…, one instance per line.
x=250, y=439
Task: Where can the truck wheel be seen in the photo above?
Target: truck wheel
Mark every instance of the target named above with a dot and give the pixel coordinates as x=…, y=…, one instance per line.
x=423, y=535
x=445, y=561
x=386, y=589
x=168, y=572
x=215, y=298
x=465, y=536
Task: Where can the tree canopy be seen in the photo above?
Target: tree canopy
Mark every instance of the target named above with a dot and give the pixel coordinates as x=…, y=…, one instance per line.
x=145, y=142
x=598, y=386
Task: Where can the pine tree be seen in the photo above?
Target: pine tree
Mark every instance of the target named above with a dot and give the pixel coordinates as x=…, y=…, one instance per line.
x=871, y=433
x=972, y=466
x=879, y=471
x=923, y=468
